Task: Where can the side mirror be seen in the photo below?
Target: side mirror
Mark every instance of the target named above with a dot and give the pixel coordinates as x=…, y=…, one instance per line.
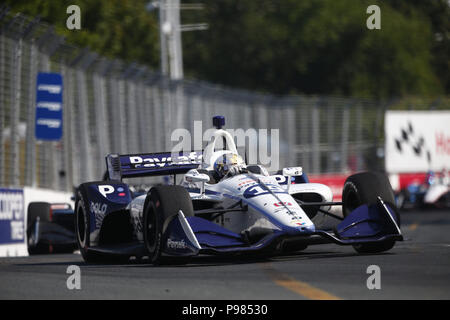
x=292, y=172
x=194, y=176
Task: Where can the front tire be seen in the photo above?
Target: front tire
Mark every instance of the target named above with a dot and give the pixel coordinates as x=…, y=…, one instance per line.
x=82, y=230
x=163, y=203
x=365, y=188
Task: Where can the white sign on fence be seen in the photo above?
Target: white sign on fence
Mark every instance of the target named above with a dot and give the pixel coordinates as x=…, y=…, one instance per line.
x=12, y=222
x=417, y=141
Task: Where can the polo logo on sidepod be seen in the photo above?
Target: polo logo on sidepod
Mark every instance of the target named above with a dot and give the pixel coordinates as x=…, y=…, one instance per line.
x=105, y=189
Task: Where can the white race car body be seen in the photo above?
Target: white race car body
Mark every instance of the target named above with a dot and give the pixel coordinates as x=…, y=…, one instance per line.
x=277, y=209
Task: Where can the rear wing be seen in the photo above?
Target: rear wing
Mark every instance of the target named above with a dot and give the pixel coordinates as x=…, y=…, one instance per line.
x=151, y=164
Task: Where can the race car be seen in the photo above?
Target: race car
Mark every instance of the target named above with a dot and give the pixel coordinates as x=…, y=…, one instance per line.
x=433, y=191
x=438, y=193
x=50, y=228
x=223, y=206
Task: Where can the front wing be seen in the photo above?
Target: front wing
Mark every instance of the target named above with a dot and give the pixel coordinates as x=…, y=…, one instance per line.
x=188, y=236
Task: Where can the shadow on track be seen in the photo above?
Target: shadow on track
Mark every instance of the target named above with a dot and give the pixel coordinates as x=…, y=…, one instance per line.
x=204, y=260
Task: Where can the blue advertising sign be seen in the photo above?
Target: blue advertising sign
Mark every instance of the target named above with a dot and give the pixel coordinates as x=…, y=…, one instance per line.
x=49, y=99
x=12, y=217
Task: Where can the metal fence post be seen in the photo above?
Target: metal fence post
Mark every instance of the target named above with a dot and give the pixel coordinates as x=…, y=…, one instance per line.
x=2, y=106
x=83, y=124
x=158, y=123
x=315, y=119
x=100, y=116
x=359, y=138
x=67, y=128
x=30, y=144
x=16, y=71
x=75, y=158
x=132, y=113
x=344, y=138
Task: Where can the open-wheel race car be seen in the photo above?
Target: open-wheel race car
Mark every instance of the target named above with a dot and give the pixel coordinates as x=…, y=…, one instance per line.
x=224, y=206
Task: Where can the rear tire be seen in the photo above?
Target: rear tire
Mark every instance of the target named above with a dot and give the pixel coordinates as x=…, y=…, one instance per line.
x=365, y=188
x=163, y=203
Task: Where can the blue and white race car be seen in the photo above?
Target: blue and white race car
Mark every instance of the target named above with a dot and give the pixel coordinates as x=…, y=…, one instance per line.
x=224, y=206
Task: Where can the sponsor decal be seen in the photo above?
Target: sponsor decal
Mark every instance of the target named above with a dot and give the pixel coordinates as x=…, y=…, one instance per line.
x=49, y=106
x=11, y=216
x=154, y=161
x=174, y=244
x=258, y=190
x=105, y=189
x=246, y=182
x=137, y=224
x=53, y=89
x=51, y=123
x=416, y=141
x=99, y=210
x=280, y=204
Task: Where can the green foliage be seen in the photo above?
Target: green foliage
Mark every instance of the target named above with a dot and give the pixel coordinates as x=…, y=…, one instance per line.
x=115, y=28
x=279, y=46
x=315, y=47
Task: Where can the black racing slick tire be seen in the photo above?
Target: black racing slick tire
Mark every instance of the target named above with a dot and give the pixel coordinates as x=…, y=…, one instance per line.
x=82, y=231
x=42, y=211
x=38, y=209
x=365, y=188
x=162, y=204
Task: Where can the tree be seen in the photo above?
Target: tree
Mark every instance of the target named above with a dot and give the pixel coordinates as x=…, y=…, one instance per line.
x=279, y=46
x=313, y=47
x=121, y=29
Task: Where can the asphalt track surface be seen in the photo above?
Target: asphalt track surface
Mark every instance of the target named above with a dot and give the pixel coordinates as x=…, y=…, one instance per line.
x=417, y=268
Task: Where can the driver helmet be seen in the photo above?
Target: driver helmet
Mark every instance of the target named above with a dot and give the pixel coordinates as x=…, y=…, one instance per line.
x=227, y=162
x=430, y=177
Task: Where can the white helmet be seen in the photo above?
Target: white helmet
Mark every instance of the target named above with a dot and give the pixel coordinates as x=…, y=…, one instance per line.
x=227, y=162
